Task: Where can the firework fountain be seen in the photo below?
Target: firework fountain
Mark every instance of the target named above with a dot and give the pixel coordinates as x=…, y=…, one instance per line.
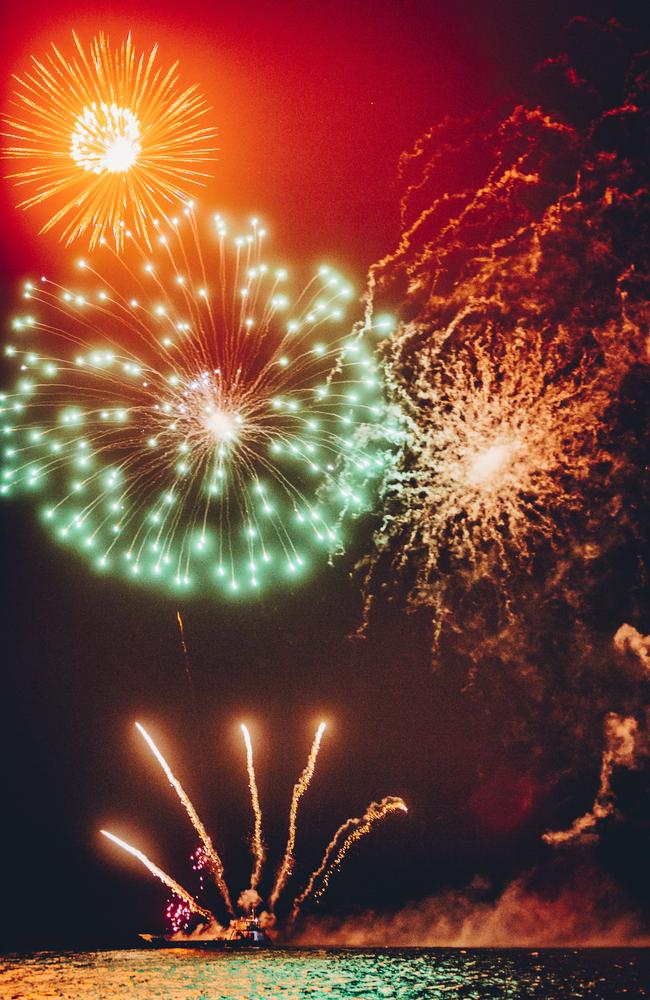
x=183, y=908
x=212, y=859
x=347, y=834
x=180, y=894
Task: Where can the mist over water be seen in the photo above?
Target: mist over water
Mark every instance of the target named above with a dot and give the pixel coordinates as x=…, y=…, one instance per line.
x=332, y=973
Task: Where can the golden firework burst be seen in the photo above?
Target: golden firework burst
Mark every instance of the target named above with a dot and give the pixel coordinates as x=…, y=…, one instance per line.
x=111, y=139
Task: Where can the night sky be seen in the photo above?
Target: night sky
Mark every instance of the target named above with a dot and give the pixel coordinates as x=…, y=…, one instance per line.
x=314, y=104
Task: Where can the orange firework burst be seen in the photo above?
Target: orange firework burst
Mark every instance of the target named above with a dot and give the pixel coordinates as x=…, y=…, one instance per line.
x=522, y=313
x=111, y=140
x=502, y=444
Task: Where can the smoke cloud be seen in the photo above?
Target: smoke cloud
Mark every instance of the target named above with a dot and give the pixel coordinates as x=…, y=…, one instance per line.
x=209, y=931
x=588, y=911
x=621, y=737
x=629, y=640
x=249, y=900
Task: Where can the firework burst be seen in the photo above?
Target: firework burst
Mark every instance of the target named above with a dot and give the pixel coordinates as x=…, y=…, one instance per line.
x=191, y=424
x=504, y=436
x=183, y=907
x=111, y=141
x=523, y=309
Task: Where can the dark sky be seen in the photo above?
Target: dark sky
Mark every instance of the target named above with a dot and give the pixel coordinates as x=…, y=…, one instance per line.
x=314, y=103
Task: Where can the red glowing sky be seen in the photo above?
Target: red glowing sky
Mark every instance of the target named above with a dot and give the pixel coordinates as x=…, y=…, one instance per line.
x=313, y=102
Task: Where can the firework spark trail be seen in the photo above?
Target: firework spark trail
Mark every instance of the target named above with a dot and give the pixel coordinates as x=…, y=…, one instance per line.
x=259, y=851
x=112, y=143
x=299, y=790
x=216, y=865
x=167, y=880
x=347, y=834
x=186, y=663
x=205, y=859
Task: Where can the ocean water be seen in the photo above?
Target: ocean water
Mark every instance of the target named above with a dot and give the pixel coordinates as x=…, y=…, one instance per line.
x=331, y=974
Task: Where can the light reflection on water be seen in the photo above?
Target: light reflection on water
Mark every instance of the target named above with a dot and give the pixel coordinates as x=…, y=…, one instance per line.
x=332, y=974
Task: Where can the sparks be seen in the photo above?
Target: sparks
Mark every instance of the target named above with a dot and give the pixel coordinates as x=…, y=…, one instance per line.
x=111, y=140
x=347, y=834
x=500, y=449
x=518, y=327
x=177, y=914
x=205, y=859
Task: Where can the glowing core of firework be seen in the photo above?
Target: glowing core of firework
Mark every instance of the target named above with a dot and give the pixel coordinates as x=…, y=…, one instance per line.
x=106, y=138
x=490, y=463
x=222, y=425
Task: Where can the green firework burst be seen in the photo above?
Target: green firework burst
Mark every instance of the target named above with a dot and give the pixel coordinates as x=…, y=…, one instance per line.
x=189, y=424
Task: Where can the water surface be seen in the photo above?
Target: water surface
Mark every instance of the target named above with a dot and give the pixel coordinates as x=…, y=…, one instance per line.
x=331, y=974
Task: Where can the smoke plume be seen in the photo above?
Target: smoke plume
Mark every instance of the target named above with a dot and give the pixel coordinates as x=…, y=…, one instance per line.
x=249, y=900
x=588, y=910
x=629, y=640
x=621, y=737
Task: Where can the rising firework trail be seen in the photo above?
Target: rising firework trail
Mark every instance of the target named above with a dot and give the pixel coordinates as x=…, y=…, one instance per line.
x=107, y=139
x=259, y=851
x=215, y=863
x=347, y=834
x=167, y=880
x=186, y=663
x=299, y=790
x=204, y=858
